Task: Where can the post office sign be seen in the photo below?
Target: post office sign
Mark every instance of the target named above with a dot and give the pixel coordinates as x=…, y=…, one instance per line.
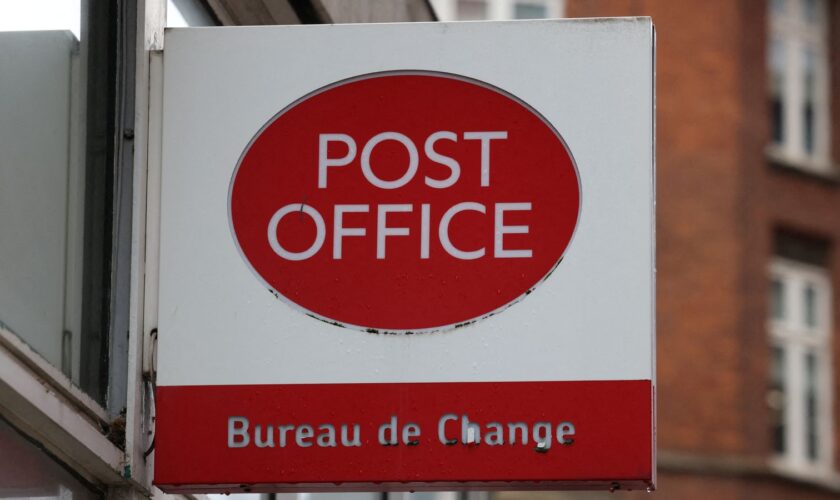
x=399, y=257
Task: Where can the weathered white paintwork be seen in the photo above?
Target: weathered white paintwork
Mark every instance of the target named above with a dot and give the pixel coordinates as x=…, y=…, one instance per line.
x=593, y=319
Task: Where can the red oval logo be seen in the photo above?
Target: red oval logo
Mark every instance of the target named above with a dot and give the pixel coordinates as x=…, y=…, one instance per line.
x=404, y=202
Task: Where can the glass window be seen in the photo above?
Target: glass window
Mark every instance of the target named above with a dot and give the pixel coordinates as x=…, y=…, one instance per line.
x=798, y=82
x=66, y=125
x=776, y=398
x=28, y=472
x=777, y=290
x=42, y=177
x=777, y=90
x=811, y=432
x=809, y=101
x=799, y=397
x=809, y=299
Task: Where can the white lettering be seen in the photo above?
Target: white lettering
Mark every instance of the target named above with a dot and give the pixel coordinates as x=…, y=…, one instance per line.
x=388, y=433
x=424, y=230
x=485, y=138
x=339, y=231
x=454, y=166
x=320, y=233
x=413, y=160
x=470, y=432
x=303, y=434
x=261, y=441
x=326, y=438
x=238, y=432
x=501, y=230
x=563, y=430
x=282, y=430
x=442, y=429
x=541, y=433
x=410, y=433
x=346, y=441
x=382, y=229
x=495, y=435
x=523, y=430
x=324, y=161
x=443, y=231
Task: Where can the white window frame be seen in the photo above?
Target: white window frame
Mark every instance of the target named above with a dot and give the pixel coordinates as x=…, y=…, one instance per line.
x=797, y=34
x=795, y=337
x=498, y=10
x=39, y=400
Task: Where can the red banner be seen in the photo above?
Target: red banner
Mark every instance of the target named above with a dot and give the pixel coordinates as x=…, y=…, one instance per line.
x=504, y=435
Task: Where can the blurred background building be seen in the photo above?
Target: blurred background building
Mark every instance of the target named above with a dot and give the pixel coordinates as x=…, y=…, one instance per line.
x=748, y=236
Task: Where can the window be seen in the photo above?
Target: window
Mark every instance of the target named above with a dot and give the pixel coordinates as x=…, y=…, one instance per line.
x=473, y=10
x=798, y=83
x=800, y=362
x=66, y=137
x=42, y=179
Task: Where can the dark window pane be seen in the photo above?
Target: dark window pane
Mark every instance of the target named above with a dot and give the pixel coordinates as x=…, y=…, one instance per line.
x=776, y=124
x=808, y=103
x=808, y=129
x=802, y=248
x=776, y=399
x=776, y=86
x=810, y=302
x=777, y=299
x=811, y=432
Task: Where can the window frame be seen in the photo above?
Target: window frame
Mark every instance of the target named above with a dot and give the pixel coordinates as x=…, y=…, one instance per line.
x=798, y=34
x=795, y=337
x=40, y=401
x=498, y=10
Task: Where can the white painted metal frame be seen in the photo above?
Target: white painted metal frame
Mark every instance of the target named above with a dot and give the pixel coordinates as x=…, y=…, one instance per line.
x=498, y=10
x=791, y=28
x=73, y=276
x=42, y=402
x=139, y=439
x=151, y=19
x=792, y=333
